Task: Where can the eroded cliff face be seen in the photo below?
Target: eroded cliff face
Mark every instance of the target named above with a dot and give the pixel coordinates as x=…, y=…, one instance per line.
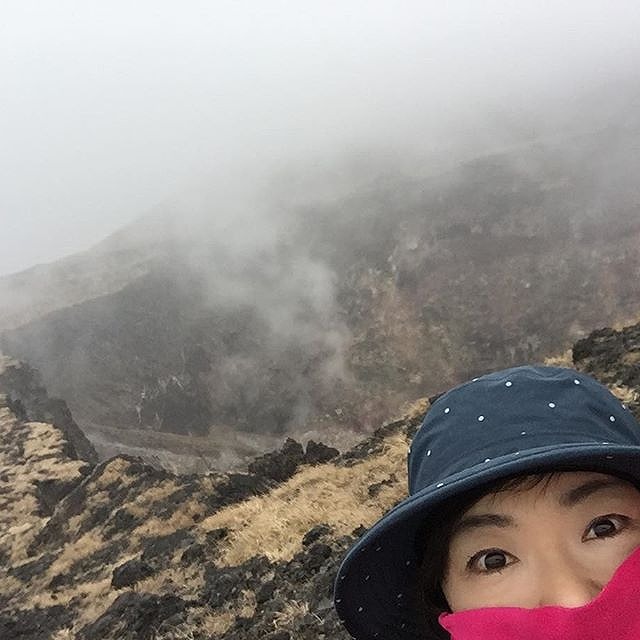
x=360, y=304
x=28, y=399
x=127, y=551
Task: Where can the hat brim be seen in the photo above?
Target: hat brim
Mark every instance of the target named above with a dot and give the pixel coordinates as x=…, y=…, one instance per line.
x=375, y=592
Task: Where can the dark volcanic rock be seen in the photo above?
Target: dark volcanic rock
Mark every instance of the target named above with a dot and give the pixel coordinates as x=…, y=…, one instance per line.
x=139, y=468
x=35, y=624
x=96, y=517
x=221, y=587
x=130, y=572
x=604, y=343
x=50, y=536
x=234, y=488
x=60, y=580
x=16, y=406
x=25, y=572
x=49, y=492
x=167, y=507
x=321, y=592
x=55, y=532
x=316, y=556
x=308, y=578
x=97, y=563
x=265, y=592
x=23, y=385
x=279, y=465
x=133, y=616
x=193, y=553
x=159, y=550
x=215, y=535
x=122, y=521
x=318, y=452
x=223, y=583
x=374, y=443
x=315, y=534
x=611, y=356
x=374, y=489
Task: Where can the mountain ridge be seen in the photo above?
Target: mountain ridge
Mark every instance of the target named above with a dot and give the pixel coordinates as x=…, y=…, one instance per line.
x=334, y=312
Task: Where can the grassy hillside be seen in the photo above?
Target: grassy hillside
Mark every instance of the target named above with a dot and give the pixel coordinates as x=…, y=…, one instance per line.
x=132, y=552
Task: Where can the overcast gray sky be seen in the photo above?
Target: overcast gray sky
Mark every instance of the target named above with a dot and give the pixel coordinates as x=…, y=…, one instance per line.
x=110, y=108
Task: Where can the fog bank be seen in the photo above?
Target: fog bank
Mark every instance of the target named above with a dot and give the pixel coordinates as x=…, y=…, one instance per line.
x=111, y=110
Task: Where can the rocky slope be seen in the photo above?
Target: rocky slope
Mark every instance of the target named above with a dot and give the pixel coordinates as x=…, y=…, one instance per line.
x=131, y=552
x=216, y=345
x=29, y=400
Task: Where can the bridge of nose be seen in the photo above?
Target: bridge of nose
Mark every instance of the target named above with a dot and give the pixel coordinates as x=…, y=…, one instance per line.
x=566, y=583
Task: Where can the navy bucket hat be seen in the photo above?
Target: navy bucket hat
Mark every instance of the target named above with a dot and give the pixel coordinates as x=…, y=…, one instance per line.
x=517, y=421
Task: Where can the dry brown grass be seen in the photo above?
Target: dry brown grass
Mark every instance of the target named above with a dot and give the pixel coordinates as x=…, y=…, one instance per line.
x=10, y=586
x=562, y=360
x=628, y=322
x=631, y=358
x=141, y=504
x=184, y=516
x=177, y=633
x=213, y=623
x=188, y=581
x=181, y=519
x=97, y=596
x=153, y=526
x=274, y=524
x=16, y=539
x=415, y=409
x=113, y=471
x=43, y=453
x=86, y=545
x=624, y=393
x=29, y=452
x=292, y=611
x=218, y=623
x=247, y=603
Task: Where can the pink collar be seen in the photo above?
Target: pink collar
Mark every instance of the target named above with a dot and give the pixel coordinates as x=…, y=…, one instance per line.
x=614, y=614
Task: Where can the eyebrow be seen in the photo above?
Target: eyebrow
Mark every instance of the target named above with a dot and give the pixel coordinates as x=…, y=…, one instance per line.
x=583, y=491
x=568, y=499
x=482, y=520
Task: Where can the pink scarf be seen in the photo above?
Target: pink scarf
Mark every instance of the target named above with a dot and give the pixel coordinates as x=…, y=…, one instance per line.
x=613, y=614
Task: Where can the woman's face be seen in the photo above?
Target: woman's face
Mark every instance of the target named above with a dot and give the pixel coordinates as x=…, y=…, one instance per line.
x=557, y=543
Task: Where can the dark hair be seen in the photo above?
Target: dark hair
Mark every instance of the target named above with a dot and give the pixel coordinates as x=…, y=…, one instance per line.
x=433, y=543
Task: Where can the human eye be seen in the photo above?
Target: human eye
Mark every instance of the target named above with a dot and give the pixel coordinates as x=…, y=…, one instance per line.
x=489, y=561
x=606, y=526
